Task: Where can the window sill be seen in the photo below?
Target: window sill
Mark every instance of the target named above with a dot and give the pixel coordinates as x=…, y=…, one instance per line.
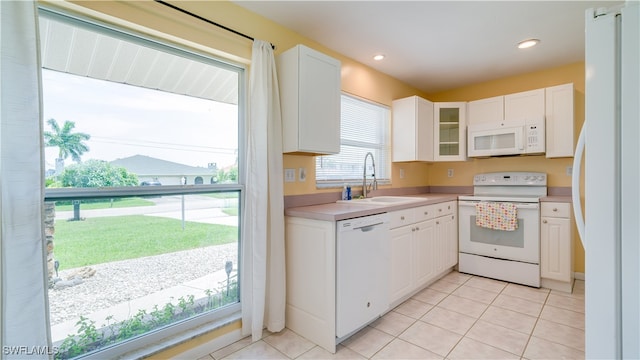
x=157, y=349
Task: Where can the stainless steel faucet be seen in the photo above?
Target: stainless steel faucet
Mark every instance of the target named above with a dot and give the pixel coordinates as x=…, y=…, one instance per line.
x=374, y=184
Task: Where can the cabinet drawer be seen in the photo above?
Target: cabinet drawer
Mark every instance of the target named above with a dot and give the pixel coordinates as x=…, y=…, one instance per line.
x=562, y=210
x=446, y=208
x=401, y=218
x=423, y=213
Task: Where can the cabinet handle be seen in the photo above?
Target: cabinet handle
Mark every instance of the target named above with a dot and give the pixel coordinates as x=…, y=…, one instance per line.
x=555, y=209
x=449, y=207
x=452, y=217
x=413, y=229
x=437, y=222
x=440, y=210
x=426, y=213
x=417, y=228
x=401, y=217
x=544, y=221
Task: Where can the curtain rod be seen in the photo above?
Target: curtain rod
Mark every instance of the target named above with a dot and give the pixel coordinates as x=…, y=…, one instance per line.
x=208, y=21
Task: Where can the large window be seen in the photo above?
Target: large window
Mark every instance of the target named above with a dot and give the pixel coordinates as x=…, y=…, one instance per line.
x=364, y=128
x=143, y=192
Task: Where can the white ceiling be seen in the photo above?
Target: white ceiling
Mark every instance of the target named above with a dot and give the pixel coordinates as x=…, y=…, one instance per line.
x=440, y=45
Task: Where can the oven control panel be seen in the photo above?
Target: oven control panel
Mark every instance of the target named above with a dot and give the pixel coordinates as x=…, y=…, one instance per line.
x=514, y=178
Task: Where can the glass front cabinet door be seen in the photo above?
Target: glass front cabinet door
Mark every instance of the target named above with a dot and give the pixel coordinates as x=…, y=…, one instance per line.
x=450, y=131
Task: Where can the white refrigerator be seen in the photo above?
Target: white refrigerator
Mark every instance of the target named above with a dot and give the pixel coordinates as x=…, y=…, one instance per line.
x=611, y=142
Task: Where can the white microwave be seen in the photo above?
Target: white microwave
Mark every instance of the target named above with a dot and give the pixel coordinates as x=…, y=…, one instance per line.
x=526, y=136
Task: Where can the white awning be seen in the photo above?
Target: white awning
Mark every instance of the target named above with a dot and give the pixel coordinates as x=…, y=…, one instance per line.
x=81, y=51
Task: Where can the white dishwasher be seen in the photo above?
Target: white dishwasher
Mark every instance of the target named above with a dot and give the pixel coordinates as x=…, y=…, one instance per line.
x=362, y=272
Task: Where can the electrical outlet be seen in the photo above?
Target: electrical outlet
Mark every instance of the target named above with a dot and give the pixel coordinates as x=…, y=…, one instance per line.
x=302, y=174
x=401, y=173
x=289, y=175
x=449, y=172
x=569, y=170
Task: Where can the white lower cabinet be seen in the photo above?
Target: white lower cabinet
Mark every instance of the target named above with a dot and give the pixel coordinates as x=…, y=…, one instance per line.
x=423, y=246
x=556, y=246
x=311, y=279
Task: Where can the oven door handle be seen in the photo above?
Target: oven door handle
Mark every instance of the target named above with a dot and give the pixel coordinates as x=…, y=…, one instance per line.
x=518, y=205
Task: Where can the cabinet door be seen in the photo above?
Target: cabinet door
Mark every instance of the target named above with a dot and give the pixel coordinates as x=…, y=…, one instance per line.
x=450, y=131
x=310, y=101
x=401, y=272
x=555, y=249
x=412, y=129
x=424, y=245
x=319, y=102
x=450, y=223
x=559, y=117
x=524, y=105
x=446, y=242
x=484, y=111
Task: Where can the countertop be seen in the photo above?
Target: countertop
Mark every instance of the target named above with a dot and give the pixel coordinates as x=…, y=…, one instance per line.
x=557, y=198
x=345, y=210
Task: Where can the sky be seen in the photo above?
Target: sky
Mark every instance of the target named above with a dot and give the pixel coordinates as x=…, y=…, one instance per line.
x=125, y=120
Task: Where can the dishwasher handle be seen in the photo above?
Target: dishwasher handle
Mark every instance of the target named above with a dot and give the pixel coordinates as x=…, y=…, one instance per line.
x=365, y=223
x=367, y=228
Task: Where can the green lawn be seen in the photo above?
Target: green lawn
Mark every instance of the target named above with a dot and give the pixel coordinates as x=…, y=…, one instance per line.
x=106, y=204
x=105, y=239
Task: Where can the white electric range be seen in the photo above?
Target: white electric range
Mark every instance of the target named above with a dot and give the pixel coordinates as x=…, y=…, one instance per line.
x=510, y=255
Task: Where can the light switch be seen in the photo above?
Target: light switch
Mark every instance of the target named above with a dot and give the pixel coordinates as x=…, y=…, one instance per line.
x=289, y=175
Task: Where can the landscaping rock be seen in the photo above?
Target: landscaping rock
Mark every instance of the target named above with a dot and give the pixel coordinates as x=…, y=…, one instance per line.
x=83, y=273
x=68, y=283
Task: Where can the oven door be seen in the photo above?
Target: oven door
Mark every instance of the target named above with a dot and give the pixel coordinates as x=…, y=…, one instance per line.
x=522, y=244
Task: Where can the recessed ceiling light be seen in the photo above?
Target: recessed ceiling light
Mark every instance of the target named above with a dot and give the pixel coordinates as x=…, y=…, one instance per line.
x=524, y=44
x=378, y=57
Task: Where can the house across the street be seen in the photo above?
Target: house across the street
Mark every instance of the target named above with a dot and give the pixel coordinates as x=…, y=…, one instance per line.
x=152, y=171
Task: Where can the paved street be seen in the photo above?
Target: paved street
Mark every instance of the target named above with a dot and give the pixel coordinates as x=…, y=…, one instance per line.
x=197, y=208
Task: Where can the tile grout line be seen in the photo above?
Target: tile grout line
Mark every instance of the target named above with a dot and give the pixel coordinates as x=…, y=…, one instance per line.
x=476, y=321
x=524, y=350
x=419, y=319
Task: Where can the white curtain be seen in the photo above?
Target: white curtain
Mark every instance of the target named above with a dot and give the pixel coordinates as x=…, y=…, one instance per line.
x=23, y=279
x=263, y=301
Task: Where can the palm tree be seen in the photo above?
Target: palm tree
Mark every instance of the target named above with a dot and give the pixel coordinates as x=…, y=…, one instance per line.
x=68, y=143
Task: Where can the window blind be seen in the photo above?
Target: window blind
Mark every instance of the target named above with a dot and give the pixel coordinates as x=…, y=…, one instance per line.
x=364, y=128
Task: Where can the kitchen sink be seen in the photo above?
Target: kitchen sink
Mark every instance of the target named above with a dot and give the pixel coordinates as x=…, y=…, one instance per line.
x=386, y=200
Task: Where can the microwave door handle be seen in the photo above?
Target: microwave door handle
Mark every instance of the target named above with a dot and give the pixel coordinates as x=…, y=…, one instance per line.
x=523, y=137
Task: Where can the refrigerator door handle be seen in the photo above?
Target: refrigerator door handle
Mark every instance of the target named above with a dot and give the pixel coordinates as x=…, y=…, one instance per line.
x=575, y=186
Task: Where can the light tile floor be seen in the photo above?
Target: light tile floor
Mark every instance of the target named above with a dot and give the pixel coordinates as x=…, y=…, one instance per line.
x=458, y=317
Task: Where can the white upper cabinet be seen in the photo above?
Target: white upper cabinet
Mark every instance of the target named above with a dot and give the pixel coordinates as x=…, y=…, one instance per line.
x=524, y=105
x=310, y=100
x=427, y=131
x=484, y=111
x=518, y=106
x=559, y=116
x=412, y=129
x=554, y=103
x=450, y=132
